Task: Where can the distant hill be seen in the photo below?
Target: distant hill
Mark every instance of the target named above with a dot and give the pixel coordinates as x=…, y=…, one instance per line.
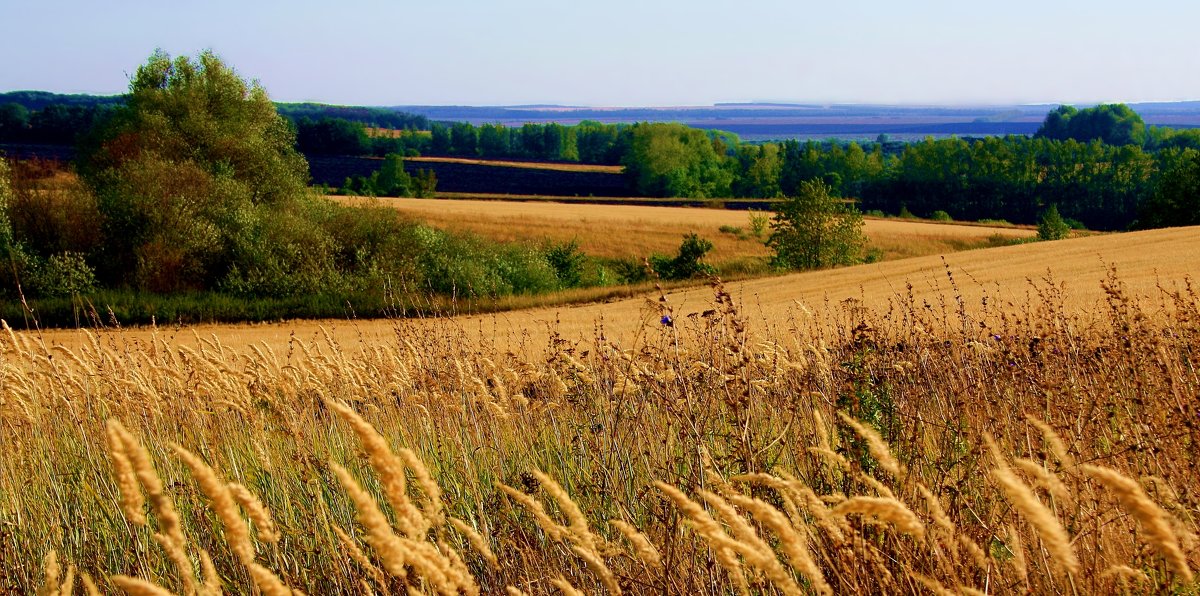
x=752, y=121
x=762, y=121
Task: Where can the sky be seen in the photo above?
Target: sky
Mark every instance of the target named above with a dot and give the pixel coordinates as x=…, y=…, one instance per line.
x=626, y=52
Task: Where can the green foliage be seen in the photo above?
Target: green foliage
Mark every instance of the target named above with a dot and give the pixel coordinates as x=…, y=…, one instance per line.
x=673, y=160
x=193, y=170
x=940, y=215
x=331, y=136
x=63, y=274
x=1175, y=200
x=759, y=223
x=816, y=229
x=1113, y=124
x=686, y=264
x=1051, y=225
x=736, y=231
x=393, y=181
x=568, y=263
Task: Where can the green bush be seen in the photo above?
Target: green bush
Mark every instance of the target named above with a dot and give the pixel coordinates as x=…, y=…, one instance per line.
x=1051, y=226
x=686, y=264
x=567, y=261
x=63, y=274
x=940, y=215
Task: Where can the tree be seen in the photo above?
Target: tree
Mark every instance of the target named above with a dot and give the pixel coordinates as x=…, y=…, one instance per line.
x=200, y=186
x=1175, y=200
x=673, y=160
x=14, y=120
x=815, y=229
x=1052, y=226
x=393, y=181
x=1113, y=124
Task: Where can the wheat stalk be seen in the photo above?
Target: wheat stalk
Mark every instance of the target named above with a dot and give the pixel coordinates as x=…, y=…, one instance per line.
x=1153, y=520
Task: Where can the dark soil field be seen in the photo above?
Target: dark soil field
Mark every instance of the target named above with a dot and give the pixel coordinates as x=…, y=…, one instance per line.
x=457, y=177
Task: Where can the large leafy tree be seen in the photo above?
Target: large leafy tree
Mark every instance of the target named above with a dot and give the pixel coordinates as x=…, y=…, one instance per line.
x=201, y=187
x=816, y=229
x=1113, y=124
x=673, y=160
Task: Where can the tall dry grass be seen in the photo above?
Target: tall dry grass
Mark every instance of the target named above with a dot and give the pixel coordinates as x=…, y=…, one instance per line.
x=845, y=451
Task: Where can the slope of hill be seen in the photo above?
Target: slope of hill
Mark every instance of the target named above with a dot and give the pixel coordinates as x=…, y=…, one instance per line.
x=1008, y=278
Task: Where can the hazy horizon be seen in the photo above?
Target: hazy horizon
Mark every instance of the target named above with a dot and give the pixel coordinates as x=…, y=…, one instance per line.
x=627, y=53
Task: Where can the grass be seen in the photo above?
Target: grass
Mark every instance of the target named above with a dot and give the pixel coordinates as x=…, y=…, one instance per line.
x=965, y=436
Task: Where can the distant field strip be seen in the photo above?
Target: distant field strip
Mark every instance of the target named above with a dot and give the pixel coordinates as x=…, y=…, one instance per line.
x=532, y=165
x=620, y=231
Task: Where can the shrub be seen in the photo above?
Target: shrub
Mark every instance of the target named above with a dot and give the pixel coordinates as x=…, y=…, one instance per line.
x=62, y=274
x=567, y=261
x=758, y=223
x=1051, y=225
x=940, y=215
x=686, y=264
x=816, y=229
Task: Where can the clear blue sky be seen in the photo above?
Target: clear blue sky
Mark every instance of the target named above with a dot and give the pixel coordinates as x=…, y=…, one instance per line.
x=626, y=52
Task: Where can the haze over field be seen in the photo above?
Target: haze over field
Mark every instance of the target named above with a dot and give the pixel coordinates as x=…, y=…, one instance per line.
x=630, y=53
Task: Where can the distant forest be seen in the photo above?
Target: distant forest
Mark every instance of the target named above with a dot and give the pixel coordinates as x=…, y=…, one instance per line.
x=1103, y=166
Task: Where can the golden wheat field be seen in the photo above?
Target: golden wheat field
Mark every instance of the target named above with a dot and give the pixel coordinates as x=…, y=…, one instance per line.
x=637, y=231
x=1011, y=420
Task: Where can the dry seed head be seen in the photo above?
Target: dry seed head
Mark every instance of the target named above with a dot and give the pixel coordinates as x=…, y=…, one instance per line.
x=578, y=524
x=875, y=444
x=211, y=585
x=1045, y=479
x=642, y=547
x=598, y=568
x=1038, y=515
x=379, y=533
x=565, y=586
x=1053, y=441
x=51, y=571
x=222, y=502
x=433, y=493
x=1124, y=574
x=931, y=584
x=357, y=554
x=791, y=543
x=885, y=509
x=478, y=542
x=1155, y=522
x=723, y=546
x=136, y=587
x=755, y=550
x=89, y=586
x=821, y=430
x=832, y=456
x=940, y=520
x=388, y=467
x=256, y=512
x=553, y=529
x=1018, y=551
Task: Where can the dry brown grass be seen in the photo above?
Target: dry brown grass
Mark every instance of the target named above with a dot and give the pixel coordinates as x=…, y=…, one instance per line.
x=699, y=437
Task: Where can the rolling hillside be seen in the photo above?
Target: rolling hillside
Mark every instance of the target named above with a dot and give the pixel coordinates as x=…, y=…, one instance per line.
x=1007, y=275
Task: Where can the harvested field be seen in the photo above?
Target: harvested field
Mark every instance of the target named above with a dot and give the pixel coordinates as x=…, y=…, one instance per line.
x=622, y=231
